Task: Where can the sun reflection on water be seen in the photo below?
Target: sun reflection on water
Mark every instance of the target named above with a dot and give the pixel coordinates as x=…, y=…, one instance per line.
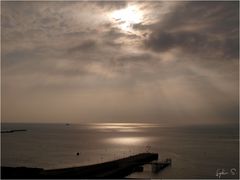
x=127, y=140
x=121, y=127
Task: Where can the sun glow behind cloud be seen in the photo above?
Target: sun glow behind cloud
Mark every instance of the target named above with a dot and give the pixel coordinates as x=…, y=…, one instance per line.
x=127, y=17
x=120, y=62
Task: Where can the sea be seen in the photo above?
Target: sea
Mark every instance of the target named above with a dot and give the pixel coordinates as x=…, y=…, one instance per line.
x=197, y=151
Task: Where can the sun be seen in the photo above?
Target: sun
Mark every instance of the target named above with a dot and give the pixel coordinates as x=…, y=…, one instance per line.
x=127, y=17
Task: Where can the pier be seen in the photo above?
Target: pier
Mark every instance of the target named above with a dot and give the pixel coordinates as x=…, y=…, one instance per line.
x=113, y=169
x=158, y=166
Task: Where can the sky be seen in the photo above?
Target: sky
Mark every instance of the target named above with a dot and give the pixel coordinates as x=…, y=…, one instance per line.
x=164, y=62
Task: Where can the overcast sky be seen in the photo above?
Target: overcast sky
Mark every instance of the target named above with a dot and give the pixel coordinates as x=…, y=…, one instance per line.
x=166, y=62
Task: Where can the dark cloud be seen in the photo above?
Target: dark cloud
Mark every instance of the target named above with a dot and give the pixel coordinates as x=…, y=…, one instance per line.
x=141, y=26
x=111, y=5
x=197, y=27
x=87, y=45
x=75, y=34
x=17, y=57
x=113, y=33
x=231, y=48
x=164, y=41
x=194, y=43
x=145, y=58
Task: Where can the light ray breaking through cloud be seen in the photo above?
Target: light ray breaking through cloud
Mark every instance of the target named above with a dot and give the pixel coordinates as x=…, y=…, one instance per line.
x=173, y=62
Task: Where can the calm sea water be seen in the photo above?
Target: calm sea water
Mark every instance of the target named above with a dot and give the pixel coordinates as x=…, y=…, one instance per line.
x=196, y=151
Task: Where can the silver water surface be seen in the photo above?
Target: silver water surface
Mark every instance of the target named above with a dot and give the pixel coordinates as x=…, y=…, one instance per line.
x=196, y=151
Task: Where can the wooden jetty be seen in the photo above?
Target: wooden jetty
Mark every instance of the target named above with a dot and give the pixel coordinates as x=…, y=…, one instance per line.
x=158, y=166
x=113, y=169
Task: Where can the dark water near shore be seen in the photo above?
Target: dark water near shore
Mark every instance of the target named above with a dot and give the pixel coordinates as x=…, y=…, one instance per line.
x=196, y=151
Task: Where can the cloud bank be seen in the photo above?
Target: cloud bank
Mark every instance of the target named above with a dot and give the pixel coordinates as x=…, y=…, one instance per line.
x=71, y=61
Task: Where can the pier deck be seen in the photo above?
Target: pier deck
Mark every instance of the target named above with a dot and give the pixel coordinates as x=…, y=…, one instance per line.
x=113, y=169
